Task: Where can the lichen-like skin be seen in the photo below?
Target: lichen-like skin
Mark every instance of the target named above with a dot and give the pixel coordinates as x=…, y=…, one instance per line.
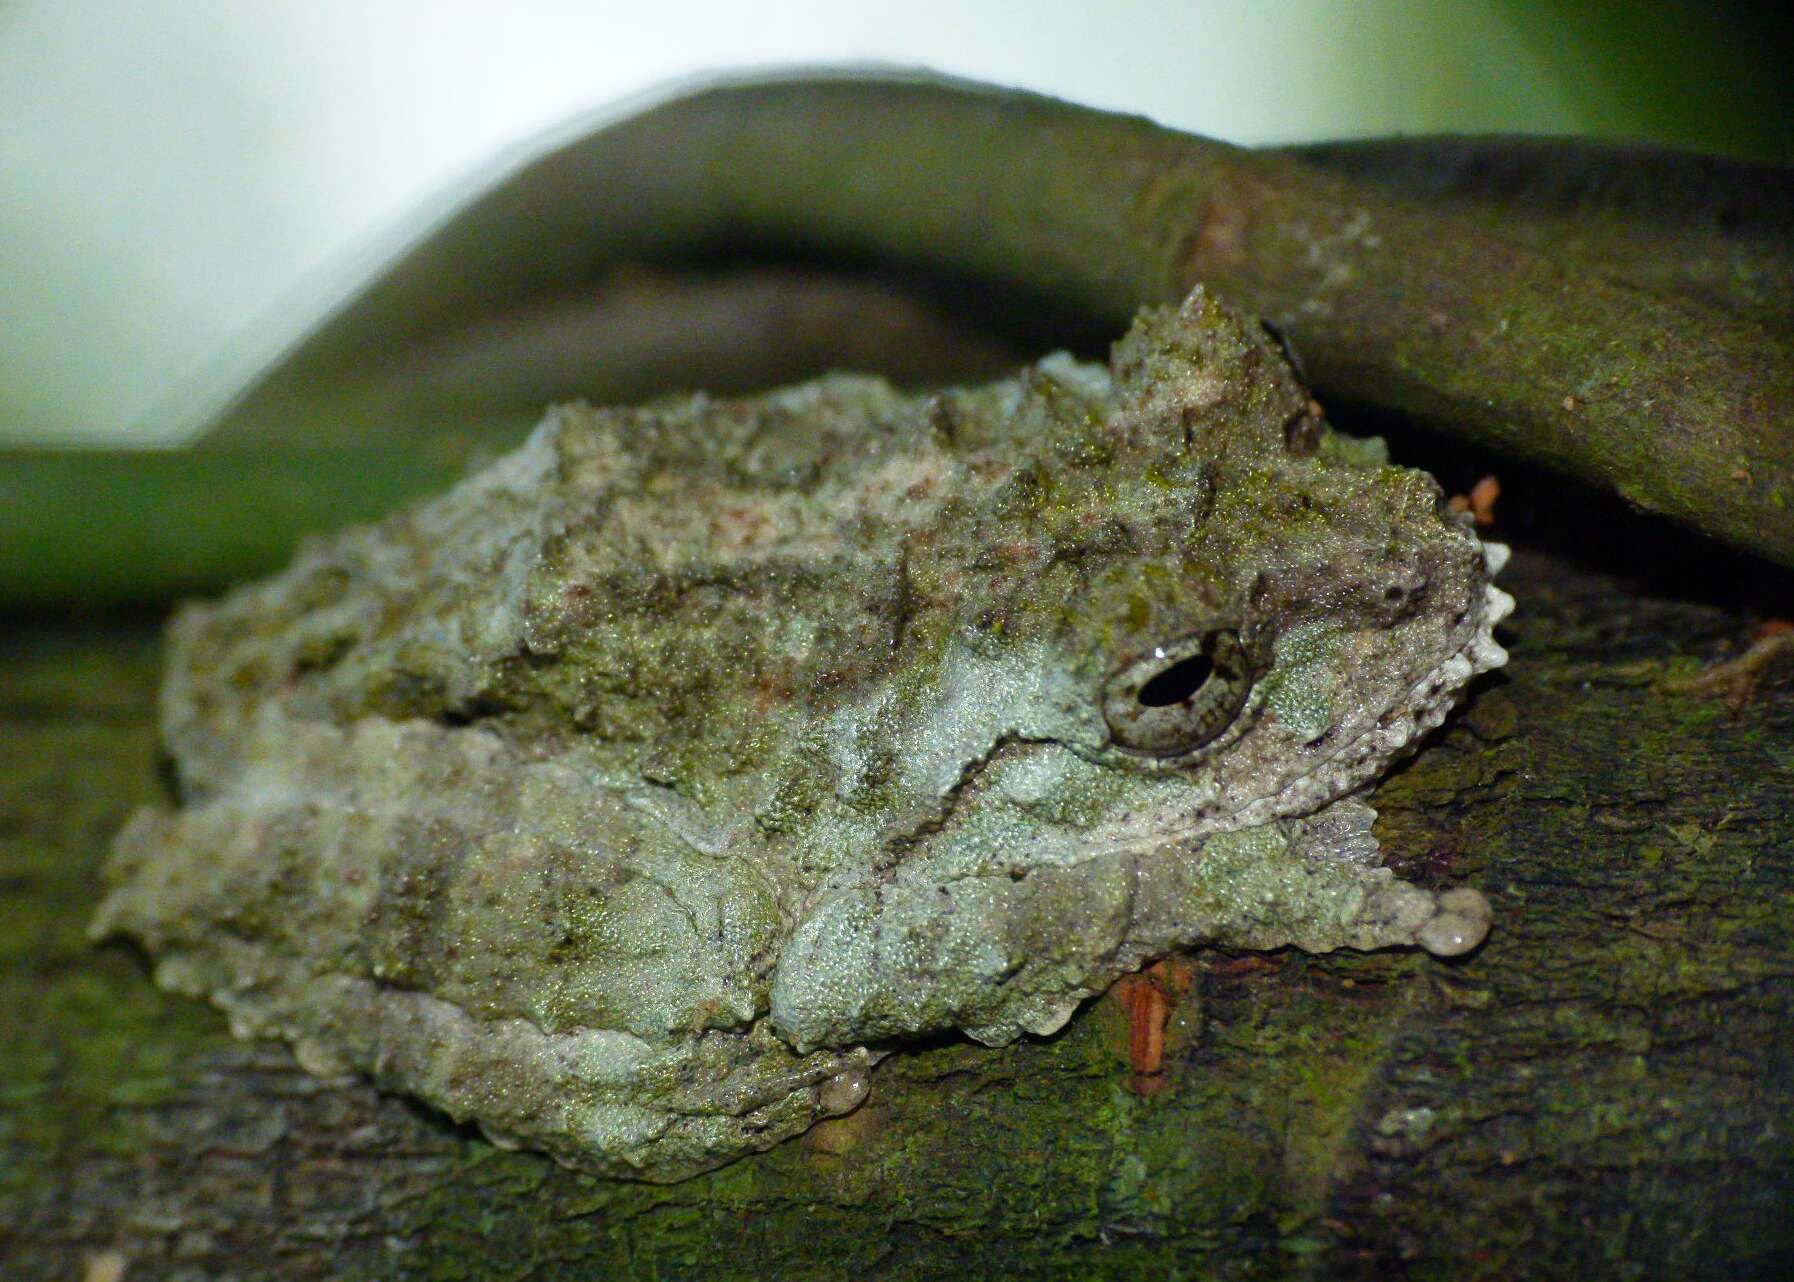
x=635, y=796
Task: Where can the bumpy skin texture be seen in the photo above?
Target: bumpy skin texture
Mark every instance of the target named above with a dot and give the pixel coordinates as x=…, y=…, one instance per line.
x=632, y=798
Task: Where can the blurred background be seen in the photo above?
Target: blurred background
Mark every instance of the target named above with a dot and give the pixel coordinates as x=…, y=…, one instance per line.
x=182, y=181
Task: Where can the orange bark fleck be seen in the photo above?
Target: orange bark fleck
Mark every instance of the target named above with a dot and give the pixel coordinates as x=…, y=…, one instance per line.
x=1480, y=502
x=1148, y=998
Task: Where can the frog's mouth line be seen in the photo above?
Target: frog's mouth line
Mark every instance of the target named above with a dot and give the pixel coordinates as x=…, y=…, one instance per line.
x=897, y=847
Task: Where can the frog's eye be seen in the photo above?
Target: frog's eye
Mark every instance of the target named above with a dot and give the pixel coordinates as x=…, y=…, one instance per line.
x=1179, y=696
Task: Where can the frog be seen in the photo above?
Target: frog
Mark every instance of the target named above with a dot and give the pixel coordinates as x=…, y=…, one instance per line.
x=634, y=798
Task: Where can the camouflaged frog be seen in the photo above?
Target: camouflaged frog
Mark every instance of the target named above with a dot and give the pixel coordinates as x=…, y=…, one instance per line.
x=635, y=796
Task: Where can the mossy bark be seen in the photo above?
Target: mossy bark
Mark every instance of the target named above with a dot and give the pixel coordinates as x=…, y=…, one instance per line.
x=1707, y=228
x=1682, y=402
x=1602, y=1091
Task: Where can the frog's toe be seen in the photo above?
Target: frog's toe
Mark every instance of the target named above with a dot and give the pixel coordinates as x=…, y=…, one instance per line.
x=1396, y=913
x=1459, y=925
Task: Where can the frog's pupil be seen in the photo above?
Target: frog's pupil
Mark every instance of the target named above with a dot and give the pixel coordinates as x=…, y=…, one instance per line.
x=1177, y=682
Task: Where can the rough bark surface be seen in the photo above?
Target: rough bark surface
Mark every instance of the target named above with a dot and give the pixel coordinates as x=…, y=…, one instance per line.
x=1701, y=227
x=1683, y=406
x=1604, y=1090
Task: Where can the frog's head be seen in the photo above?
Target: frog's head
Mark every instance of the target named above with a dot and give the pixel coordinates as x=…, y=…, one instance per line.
x=1163, y=607
x=1184, y=578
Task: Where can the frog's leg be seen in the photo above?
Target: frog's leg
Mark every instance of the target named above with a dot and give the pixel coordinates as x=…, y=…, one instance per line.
x=998, y=954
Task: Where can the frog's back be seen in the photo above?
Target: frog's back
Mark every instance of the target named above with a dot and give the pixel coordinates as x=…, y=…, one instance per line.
x=679, y=588
x=444, y=778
